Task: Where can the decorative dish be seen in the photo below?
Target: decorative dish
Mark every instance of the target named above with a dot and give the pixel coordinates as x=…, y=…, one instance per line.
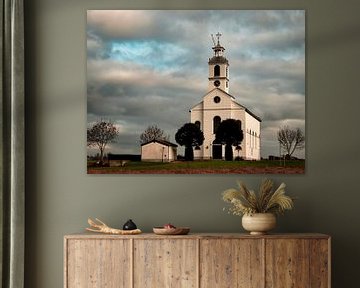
x=171, y=231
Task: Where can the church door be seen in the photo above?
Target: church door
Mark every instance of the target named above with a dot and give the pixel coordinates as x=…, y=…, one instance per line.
x=217, y=151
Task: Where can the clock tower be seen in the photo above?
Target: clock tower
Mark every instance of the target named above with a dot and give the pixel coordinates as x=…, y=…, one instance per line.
x=218, y=67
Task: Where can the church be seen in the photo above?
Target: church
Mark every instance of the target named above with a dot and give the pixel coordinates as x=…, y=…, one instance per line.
x=218, y=105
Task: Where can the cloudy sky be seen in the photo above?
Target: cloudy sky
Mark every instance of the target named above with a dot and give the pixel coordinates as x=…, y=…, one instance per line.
x=150, y=67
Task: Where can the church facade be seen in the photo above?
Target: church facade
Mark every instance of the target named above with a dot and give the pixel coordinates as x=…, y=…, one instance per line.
x=218, y=105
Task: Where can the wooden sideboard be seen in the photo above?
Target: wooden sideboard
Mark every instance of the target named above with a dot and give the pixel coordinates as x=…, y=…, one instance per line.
x=197, y=260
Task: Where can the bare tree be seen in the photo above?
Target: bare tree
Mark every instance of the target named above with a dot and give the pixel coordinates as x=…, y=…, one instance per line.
x=153, y=132
x=100, y=134
x=291, y=139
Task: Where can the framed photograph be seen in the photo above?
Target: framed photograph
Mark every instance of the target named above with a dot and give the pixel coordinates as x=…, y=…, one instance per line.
x=196, y=91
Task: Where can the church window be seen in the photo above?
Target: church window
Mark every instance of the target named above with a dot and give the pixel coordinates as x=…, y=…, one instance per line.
x=217, y=70
x=217, y=99
x=198, y=124
x=216, y=123
x=227, y=84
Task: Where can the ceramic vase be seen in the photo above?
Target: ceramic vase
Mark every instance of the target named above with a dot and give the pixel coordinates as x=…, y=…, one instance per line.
x=259, y=223
x=129, y=225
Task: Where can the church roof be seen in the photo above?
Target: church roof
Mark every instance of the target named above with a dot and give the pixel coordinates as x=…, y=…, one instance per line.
x=164, y=142
x=218, y=59
x=248, y=111
x=233, y=99
x=207, y=94
x=222, y=92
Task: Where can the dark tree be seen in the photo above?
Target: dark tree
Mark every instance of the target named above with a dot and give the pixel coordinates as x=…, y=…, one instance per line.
x=153, y=132
x=291, y=139
x=189, y=136
x=100, y=134
x=229, y=133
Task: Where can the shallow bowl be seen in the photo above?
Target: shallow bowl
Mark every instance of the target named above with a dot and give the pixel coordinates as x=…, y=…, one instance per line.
x=171, y=231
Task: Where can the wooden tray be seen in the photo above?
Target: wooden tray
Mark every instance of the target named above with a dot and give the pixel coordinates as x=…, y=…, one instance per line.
x=171, y=231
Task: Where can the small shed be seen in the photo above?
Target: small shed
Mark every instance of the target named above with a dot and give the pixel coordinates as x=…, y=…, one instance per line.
x=158, y=151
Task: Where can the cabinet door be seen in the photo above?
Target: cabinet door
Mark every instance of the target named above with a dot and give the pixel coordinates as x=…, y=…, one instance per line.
x=287, y=263
x=98, y=263
x=231, y=263
x=167, y=263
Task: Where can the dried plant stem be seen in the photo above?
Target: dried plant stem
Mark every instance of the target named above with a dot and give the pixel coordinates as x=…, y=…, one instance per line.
x=99, y=226
x=245, y=201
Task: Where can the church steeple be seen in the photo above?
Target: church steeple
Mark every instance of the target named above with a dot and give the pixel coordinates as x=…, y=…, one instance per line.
x=218, y=67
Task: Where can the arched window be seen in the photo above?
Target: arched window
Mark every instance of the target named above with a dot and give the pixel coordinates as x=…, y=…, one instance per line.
x=216, y=123
x=216, y=70
x=198, y=124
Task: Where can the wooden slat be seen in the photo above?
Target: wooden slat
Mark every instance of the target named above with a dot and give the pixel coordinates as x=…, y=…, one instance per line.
x=165, y=263
x=287, y=263
x=231, y=263
x=198, y=263
x=88, y=235
x=66, y=263
x=98, y=263
x=319, y=263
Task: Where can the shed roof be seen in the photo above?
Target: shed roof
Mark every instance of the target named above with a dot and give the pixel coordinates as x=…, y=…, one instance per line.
x=164, y=142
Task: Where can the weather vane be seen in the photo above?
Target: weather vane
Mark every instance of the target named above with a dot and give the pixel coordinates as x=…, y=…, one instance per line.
x=218, y=35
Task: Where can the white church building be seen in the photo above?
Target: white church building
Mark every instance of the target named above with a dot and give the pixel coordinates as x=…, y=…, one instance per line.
x=218, y=105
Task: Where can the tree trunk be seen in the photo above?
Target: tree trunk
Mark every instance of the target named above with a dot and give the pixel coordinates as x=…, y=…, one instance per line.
x=228, y=152
x=189, y=153
x=101, y=157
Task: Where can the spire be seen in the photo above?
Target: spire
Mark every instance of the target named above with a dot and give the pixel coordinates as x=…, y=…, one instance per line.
x=218, y=49
x=218, y=66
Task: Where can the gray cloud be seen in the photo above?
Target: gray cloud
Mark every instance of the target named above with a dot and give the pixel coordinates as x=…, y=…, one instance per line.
x=169, y=74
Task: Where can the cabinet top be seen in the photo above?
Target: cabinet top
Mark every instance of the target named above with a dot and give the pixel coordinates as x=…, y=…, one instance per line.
x=87, y=235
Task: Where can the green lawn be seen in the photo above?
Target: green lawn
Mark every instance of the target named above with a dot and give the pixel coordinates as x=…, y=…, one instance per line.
x=216, y=165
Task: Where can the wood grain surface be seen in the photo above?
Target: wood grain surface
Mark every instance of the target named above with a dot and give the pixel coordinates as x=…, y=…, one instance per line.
x=98, y=263
x=165, y=263
x=229, y=263
x=197, y=261
x=287, y=263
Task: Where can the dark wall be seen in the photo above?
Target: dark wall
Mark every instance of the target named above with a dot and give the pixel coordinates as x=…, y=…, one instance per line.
x=60, y=196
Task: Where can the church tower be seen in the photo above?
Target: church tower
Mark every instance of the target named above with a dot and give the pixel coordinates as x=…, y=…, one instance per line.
x=218, y=67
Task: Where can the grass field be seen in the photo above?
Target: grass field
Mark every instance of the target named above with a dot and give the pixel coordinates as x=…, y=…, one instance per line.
x=205, y=167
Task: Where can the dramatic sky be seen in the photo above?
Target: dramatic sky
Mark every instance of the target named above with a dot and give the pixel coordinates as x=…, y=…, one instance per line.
x=150, y=67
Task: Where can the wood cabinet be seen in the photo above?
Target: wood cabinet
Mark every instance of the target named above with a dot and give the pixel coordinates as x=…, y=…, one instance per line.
x=197, y=261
